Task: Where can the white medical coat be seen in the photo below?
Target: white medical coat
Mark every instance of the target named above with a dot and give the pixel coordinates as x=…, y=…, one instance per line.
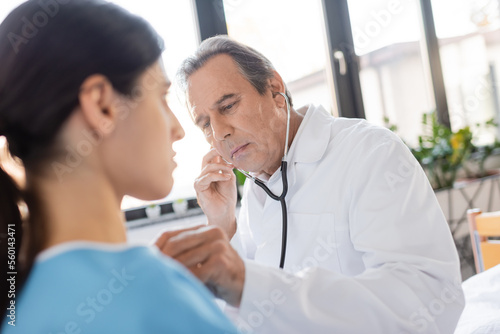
x=369, y=250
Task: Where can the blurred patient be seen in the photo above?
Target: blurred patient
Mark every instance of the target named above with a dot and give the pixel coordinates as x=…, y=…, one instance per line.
x=82, y=106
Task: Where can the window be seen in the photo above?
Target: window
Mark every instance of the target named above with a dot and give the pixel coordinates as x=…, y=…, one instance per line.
x=169, y=18
x=469, y=42
x=291, y=34
x=6, y=6
x=395, y=80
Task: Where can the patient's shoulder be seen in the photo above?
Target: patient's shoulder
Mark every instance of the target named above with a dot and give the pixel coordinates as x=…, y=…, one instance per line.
x=110, y=289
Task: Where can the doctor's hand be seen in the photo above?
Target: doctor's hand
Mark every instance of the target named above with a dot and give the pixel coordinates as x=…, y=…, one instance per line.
x=216, y=192
x=206, y=252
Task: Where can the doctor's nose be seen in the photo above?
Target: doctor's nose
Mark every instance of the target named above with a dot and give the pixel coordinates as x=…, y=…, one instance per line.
x=221, y=130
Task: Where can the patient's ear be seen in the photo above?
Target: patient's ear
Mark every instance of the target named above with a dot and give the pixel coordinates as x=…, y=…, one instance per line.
x=97, y=102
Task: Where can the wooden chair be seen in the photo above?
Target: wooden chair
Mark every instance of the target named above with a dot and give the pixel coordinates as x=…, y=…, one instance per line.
x=483, y=227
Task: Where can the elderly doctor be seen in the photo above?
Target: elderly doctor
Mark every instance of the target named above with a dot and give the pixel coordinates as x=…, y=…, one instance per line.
x=368, y=249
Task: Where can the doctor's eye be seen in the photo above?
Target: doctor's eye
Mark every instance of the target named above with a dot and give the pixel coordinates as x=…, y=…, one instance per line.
x=206, y=128
x=228, y=108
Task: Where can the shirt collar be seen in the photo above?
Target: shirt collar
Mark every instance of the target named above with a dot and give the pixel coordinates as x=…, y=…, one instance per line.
x=312, y=138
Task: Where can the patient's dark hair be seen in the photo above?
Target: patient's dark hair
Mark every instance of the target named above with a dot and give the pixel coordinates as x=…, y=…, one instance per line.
x=47, y=49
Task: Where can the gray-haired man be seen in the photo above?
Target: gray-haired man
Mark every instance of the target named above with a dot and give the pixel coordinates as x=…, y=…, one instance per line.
x=368, y=248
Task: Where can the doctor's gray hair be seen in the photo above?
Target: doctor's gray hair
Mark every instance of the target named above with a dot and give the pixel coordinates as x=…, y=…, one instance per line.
x=253, y=65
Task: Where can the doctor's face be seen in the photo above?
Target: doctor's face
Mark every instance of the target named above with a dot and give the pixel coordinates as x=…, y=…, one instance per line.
x=247, y=129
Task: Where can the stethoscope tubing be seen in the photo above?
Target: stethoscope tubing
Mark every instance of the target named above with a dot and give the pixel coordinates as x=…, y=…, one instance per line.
x=284, y=179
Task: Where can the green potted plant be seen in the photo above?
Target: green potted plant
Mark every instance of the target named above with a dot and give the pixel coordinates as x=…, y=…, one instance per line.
x=480, y=154
x=441, y=151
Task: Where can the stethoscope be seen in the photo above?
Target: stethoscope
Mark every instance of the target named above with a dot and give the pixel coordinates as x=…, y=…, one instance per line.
x=280, y=198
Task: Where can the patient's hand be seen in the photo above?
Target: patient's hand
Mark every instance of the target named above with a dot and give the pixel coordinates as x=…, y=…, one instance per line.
x=206, y=252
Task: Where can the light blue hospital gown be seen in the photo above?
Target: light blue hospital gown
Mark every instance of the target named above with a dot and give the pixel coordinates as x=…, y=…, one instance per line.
x=87, y=288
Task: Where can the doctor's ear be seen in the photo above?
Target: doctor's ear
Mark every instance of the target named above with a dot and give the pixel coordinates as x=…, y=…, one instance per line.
x=96, y=101
x=277, y=86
